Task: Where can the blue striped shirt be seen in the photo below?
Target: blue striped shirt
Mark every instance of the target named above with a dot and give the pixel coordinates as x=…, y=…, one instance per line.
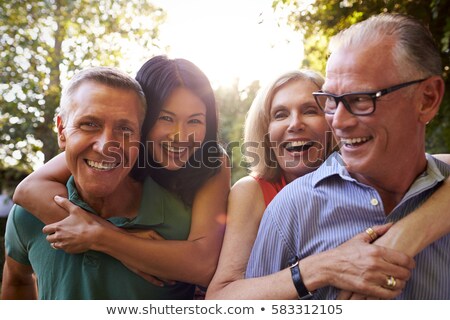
x=327, y=207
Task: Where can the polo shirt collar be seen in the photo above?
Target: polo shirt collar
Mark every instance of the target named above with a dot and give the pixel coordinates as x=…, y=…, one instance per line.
x=74, y=196
x=152, y=197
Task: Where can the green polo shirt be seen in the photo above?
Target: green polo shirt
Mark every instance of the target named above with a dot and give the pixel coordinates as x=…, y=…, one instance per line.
x=95, y=275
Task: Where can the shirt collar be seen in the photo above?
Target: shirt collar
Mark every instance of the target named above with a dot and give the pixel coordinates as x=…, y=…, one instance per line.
x=334, y=165
x=428, y=179
x=74, y=196
x=151, y=211
x=152, y=199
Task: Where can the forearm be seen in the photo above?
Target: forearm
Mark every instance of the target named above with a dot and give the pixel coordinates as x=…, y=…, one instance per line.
x=36, y=192
x=18, y=282
x=316, y=271
x=19, y=292
x=37, y=198
x=422, y=227
x=357, y=266
x=277, y=286
x=186, y=261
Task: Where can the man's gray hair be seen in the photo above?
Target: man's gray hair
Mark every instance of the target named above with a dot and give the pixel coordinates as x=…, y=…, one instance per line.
x=104, y=75
x=415, y=53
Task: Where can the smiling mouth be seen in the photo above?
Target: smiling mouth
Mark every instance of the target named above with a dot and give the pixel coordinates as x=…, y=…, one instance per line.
x=298, y=146
x=101, y=166
x=173, y=149
x=354, y=142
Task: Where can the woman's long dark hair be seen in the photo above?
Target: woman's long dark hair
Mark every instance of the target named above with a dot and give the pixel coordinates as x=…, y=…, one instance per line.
x=159, y=77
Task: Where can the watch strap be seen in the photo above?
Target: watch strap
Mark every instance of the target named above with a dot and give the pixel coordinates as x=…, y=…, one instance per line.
x=302, y=292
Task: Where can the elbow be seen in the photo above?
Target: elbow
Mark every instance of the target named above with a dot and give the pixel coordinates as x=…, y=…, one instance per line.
x=223, y=288
x=20, y=193
x=205, y=266
x=204, y=260
x=206, y=271
x=213, y=293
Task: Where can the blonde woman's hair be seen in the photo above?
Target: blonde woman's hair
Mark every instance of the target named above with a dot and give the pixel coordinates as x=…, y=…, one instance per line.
x=257, y=147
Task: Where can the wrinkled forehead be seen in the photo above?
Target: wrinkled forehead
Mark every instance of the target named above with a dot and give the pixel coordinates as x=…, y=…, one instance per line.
x=359, y=68
x=105, y=103
x=96, y=93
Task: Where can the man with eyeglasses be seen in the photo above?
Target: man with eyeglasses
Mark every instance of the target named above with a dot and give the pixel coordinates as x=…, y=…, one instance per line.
x=383, y=85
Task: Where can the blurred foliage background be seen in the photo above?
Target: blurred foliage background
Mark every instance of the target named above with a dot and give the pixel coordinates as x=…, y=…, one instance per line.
x=44, y=42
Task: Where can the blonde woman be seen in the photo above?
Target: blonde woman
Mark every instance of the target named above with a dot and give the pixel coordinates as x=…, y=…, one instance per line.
x=286, y=136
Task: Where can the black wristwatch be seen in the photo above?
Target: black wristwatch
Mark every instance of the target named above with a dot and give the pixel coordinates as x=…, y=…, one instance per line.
x=302, y=292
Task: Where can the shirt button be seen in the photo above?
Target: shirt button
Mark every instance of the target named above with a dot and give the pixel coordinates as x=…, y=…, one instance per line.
x=374, y=202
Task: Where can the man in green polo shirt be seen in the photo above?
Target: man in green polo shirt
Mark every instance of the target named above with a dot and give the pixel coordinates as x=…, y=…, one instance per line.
x=98, y=128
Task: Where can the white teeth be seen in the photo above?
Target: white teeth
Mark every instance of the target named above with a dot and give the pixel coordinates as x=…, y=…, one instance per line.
x=354, y=140
x=174, y=149
x=296, y=144
x=101, y=165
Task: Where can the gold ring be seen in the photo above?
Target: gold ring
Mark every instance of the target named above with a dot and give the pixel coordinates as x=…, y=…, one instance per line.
x=53, y=246
x=391, y=282
x=372, y=234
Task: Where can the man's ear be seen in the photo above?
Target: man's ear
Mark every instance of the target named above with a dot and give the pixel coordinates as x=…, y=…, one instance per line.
x=61, y=133
x=432, y=95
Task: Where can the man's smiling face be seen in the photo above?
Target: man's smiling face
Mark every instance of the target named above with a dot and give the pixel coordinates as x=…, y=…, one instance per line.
x=100, y=136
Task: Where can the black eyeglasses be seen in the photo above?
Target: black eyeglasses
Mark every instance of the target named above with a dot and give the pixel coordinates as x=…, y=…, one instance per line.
x=357, y=103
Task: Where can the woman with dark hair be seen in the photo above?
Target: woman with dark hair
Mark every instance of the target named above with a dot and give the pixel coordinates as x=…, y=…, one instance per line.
x=159, y=78
x=185, y=184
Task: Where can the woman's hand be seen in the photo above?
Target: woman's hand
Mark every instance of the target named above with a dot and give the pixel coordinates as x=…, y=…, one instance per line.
x=362, y=269
x=77, y=232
